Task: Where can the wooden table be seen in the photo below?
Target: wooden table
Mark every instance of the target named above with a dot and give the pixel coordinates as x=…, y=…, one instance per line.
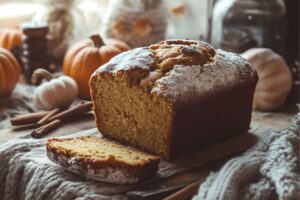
x=275, y=121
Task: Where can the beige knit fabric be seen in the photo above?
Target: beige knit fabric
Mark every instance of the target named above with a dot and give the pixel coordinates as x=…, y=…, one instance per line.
x=27, y=174
x=270, y=170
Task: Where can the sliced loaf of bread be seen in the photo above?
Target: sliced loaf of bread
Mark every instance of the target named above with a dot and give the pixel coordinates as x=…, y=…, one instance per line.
x=102, y=159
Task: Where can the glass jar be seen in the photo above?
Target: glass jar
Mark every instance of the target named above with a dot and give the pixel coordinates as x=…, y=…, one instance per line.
x=238, y=25
x=189, y=19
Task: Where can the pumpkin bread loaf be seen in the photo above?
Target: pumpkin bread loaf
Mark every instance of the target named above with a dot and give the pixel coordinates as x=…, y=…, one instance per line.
x=173, y=97
x=101, y=159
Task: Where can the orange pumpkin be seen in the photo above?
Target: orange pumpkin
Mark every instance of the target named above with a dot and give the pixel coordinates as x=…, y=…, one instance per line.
x=9, y=72
x=10, y=37
x=85, y=57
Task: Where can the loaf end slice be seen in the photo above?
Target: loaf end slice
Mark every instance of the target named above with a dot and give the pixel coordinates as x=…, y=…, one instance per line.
x=102, y=159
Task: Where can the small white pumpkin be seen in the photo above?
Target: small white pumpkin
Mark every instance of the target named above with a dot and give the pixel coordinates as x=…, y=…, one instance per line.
x=275, y=78
x=56, y=92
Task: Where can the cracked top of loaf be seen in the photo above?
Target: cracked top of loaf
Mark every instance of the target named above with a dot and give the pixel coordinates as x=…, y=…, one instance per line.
x=181, y=70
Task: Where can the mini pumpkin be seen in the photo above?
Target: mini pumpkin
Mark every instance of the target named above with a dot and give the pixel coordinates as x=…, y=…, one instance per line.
x=275, y=79
x=56, y=92
x=9, y=72
x=85, y=57
x=10, y=37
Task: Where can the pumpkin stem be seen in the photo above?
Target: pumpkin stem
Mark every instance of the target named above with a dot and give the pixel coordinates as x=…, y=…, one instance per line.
x=97, y=40
x=40, y=74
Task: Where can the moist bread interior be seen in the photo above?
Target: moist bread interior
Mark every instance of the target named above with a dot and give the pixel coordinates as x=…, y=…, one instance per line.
x=99, y=150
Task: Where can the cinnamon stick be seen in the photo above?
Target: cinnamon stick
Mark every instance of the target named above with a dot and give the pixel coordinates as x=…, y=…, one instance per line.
x=45, y=119
x=29, y=118
x=71, y=112
x=24, y=127
x=49, y=121
x=45, y=129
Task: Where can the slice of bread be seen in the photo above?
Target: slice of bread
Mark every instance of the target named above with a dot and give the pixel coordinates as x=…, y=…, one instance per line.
x=102, y=159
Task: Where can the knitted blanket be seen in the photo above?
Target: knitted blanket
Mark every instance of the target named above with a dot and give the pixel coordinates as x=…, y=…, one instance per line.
x=270, y=170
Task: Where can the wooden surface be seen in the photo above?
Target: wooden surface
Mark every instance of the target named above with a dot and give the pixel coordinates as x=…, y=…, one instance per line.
x=277, y=121
x=273, y=120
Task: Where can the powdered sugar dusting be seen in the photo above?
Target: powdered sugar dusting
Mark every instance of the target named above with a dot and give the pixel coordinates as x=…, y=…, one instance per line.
x=182, y=75
x=185, y=82
x=140, y=58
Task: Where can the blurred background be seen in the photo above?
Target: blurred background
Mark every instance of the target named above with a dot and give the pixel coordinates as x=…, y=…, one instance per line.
x=265, y=32
x=234, y=25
